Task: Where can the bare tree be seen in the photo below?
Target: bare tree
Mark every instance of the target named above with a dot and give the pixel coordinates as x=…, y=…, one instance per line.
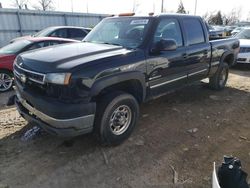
x=136, y=5
x=232, y=17
x=181, y=8
x=20, y=4
x=44, y=5
x=248, y=17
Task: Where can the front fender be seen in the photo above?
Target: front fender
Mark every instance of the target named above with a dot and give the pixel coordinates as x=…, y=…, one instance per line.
x=117, y=78
x=225, y=55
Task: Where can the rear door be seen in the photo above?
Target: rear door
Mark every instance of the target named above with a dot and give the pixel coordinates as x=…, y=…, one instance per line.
x=198, y=50
x=167, y=69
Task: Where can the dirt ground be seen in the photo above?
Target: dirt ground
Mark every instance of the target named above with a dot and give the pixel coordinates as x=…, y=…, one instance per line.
x=188, y=130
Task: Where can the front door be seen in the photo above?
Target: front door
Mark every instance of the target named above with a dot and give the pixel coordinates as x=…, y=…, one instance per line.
x=167, y=69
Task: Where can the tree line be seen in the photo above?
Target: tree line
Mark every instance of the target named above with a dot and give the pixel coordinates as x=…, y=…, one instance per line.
x=44, y=5
x=213, y=18
x=217, y=18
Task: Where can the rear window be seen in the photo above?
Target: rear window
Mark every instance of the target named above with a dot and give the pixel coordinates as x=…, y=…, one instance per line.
x=194, y=31
x=15, y=47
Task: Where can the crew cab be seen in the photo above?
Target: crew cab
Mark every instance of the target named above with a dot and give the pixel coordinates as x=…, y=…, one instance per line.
x=97, y=85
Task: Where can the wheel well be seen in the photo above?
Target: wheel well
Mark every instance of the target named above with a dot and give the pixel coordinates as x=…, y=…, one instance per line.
x=132, y=87
x=6, y=70
x=229, y=59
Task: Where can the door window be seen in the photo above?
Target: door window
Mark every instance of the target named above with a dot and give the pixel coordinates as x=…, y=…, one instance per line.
x=194, y=31
x=169, y=29
x=61, y=33
x=38, y=45
x=78, y=34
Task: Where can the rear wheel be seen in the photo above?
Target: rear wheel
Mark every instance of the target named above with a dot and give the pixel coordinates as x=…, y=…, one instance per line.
x=219, y=79
x=6, y=80
x=116, y=117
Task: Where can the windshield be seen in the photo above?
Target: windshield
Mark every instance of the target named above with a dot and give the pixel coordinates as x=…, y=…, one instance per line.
x=44, y=32
x=15, y=47
x=126, y=32
x=244, y=34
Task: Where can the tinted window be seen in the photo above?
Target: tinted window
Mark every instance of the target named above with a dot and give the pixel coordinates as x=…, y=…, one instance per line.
x=169, y=29
x=194, y=31
x=76, y=34
x=51, y=43
x=61, y=33
x=38, y=45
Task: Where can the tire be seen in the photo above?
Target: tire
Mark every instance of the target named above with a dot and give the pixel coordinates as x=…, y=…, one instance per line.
x=116, y=117
x=6, y=80
x=219, y=79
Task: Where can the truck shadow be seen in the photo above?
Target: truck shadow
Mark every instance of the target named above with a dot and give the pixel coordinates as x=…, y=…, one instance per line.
x=161, y=129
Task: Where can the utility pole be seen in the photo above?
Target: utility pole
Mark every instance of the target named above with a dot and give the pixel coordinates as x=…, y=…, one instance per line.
x=72, y=6
x=87, y=6
x=195, y=8
x=162, y=6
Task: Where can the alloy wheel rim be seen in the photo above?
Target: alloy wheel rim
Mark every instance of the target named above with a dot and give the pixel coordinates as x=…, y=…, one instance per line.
x=5, y=82
x=120, y=119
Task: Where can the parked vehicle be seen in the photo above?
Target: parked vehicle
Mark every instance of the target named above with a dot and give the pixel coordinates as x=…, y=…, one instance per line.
x=70, y=32
x=236, y=30
x=229, y=30
x=97, y=85
x=244, y=54
x=9, y=53
x=216, y=32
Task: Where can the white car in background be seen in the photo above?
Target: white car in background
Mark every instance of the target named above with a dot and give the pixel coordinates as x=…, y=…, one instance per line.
x=237, y=30
x=244, y=54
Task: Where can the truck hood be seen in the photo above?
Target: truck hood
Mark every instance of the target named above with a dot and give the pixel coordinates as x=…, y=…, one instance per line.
x=67, y=56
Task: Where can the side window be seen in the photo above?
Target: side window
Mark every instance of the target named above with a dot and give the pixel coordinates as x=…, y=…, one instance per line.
x=169, y=29
x=38, y=45
x=76, y=34
x=194, y=31
x=52, y=43
x=61, y=33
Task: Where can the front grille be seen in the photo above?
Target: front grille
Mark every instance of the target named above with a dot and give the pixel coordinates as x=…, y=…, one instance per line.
x=35, y=84
x=241, y=59
x=30, y=75
x=245, y=50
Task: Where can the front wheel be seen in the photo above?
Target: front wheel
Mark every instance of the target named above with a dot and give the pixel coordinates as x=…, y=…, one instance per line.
x=219, y=79
x=117, y=115
x=6, y=80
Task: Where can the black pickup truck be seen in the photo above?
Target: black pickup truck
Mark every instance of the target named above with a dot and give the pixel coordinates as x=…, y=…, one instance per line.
x=98, y=84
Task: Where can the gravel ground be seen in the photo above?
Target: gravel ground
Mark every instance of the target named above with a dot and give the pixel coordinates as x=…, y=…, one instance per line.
x=187, y=130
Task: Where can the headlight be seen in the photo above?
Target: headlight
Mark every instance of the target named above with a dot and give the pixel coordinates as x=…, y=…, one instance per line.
x=58, y=78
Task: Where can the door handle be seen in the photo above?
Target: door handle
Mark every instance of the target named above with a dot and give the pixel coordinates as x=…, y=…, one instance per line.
x=184, y=56
x=205, y=52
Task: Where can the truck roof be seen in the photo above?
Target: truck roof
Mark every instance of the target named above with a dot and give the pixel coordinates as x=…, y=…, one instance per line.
x=161, y=15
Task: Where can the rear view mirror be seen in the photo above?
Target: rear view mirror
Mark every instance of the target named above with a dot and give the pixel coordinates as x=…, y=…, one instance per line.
x=164, y=45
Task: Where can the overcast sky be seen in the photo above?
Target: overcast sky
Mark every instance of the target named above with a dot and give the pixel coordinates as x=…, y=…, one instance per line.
x=146, y=6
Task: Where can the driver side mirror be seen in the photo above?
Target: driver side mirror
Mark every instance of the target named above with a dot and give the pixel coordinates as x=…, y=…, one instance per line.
x=164, y=45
